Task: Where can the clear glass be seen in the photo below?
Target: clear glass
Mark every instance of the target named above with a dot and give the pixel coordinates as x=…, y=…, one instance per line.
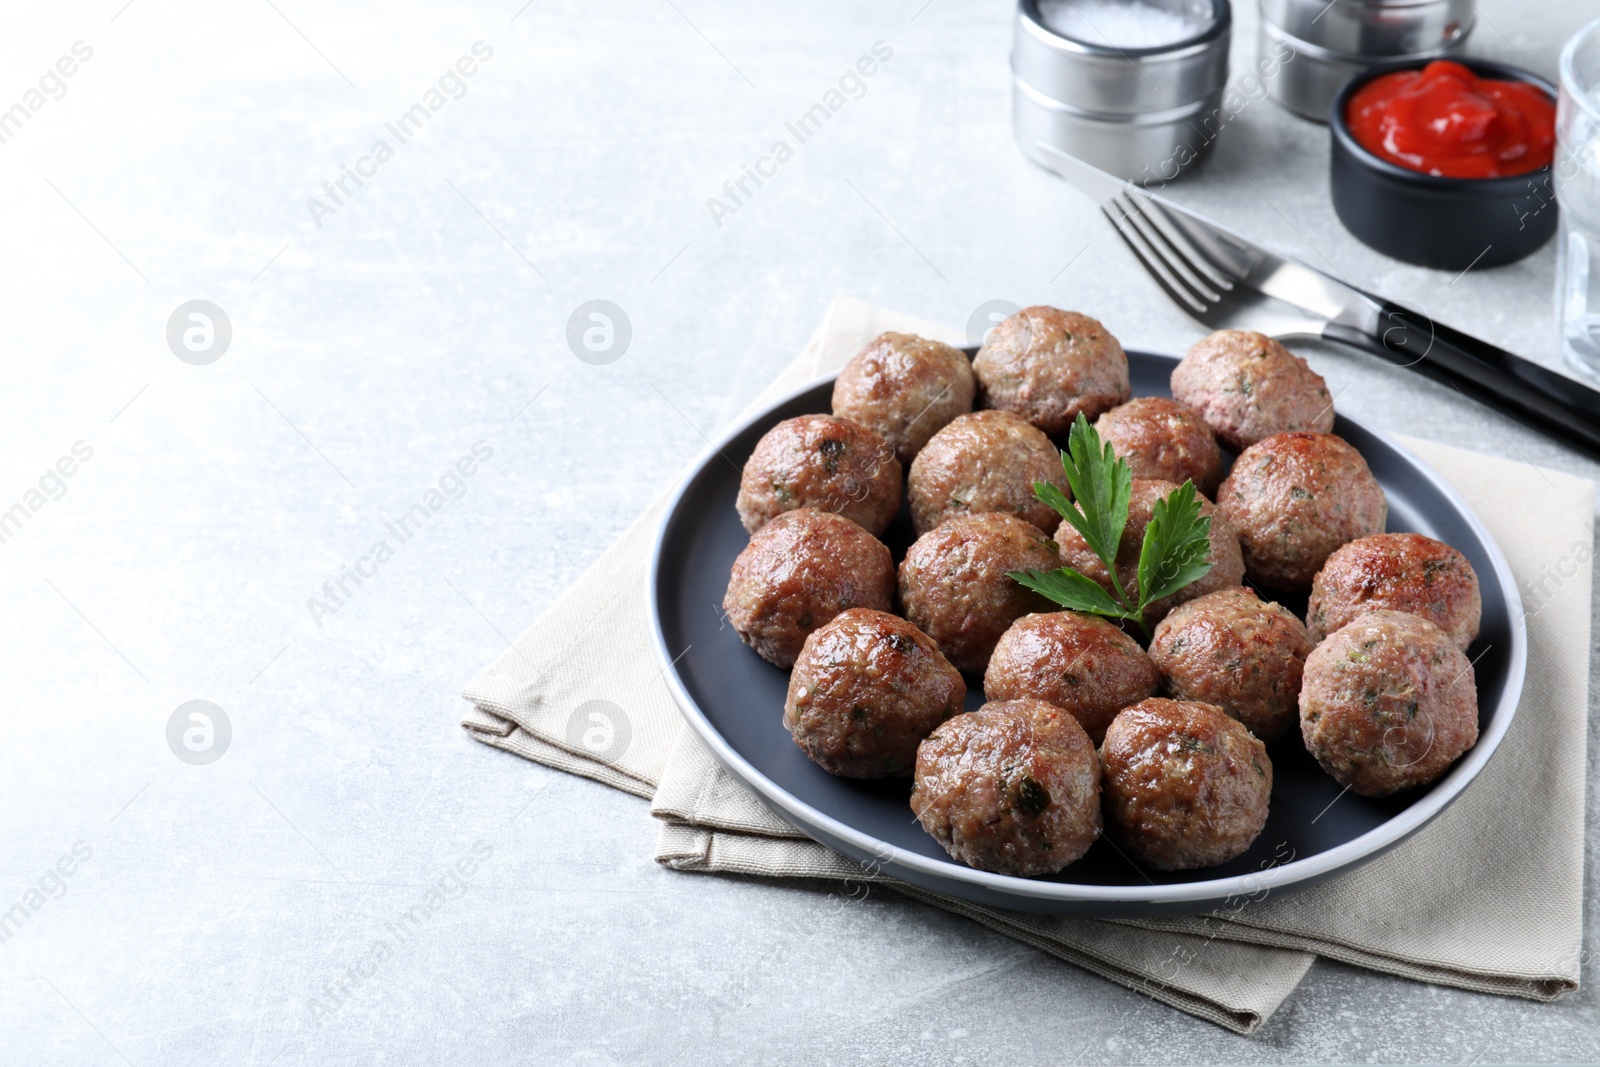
x=1577, y=181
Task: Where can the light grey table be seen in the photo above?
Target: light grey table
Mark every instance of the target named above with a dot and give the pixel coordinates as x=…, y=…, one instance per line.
x=229, y=913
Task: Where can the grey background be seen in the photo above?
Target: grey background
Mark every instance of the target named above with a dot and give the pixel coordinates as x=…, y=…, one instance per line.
x=428, y=313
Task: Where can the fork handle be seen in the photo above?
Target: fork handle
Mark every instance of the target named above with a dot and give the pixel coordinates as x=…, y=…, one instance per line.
x=1542, y=398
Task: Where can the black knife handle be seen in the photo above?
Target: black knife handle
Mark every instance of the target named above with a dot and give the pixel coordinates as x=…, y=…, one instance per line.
x=1492, y=376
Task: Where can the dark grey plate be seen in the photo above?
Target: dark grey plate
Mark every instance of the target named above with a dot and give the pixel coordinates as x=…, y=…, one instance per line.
x=734, y=700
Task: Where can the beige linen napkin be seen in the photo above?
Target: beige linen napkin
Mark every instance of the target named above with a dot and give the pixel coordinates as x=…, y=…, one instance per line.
x=1487, y=897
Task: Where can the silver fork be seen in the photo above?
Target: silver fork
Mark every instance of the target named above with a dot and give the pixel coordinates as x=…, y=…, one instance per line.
x=1226, y=281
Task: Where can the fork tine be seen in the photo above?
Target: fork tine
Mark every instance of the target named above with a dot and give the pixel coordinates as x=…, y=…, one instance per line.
x=1151, y=262
x=1171, y=282
x=1181, y=244
x=1161, y=244
x=1199, y=253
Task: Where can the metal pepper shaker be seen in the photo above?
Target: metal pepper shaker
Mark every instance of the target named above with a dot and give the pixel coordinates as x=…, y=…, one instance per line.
x=1319, y=45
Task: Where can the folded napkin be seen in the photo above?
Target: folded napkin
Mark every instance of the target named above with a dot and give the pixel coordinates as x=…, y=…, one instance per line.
x=1488, y=896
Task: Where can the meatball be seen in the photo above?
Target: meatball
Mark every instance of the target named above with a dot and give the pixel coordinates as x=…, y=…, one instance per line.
x=1163, y=439
x=1231, y=649
x=1400, y=572
x=798, y=572
x=1248, y=387
x=867, y=688
x=1012, y=788
x=1080, y=663
x=955, y=586
x=1294, y=498
x=1388, y=703
x=904, y=388
x=986, y=461
x=1227, y=565
x=1049, y=365
x=1185, y=786
x=821, y=462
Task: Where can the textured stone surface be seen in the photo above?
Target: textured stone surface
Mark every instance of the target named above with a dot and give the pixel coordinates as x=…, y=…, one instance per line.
x=428, y=313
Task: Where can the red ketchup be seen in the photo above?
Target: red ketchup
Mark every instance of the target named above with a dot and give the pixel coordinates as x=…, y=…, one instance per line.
x=1446, y=121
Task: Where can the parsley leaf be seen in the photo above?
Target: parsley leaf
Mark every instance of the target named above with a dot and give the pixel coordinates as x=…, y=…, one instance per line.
x=1177, y=540
x=1071, y=590
x=1176, y=545
x=1101, y=484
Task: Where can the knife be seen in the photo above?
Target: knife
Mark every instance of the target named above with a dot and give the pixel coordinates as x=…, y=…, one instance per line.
x=1227, y=281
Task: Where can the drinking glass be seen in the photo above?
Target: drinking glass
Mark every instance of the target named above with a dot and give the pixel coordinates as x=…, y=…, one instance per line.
x=1577, y=174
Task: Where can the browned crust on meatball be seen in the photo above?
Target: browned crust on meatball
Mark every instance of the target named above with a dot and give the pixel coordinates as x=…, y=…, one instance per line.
x=1296, y=497
x=1231, y=649
x=1399, y=572
x=1227, y=564
x=866, y=689
x=1184, y=785
x=798, y=572
x=1012, y=788
x=905, y=389
x=1388, y=703
x=985, y=461
x=1081, y=664
x=1248, y=387
x=954, y=583
x=1049, y=365
x=1165, y=440
x=821, y=462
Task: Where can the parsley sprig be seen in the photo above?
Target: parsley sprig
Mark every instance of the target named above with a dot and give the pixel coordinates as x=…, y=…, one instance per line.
x=1176, y=545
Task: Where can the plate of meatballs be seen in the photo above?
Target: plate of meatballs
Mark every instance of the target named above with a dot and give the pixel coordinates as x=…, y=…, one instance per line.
x=1060, y=627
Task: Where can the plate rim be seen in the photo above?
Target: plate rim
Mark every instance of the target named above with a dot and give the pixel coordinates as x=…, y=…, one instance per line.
x=1310, y=870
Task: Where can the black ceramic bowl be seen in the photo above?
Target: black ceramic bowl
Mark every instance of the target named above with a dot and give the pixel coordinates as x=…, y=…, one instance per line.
x=1447, y=223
